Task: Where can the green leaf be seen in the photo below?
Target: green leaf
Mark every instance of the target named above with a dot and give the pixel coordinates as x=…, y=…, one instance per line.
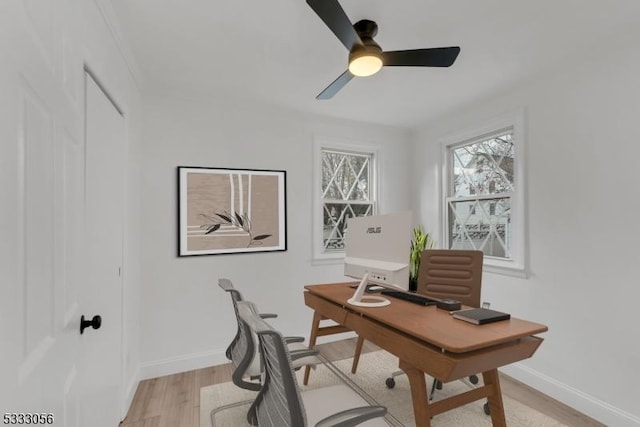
x=261, y=237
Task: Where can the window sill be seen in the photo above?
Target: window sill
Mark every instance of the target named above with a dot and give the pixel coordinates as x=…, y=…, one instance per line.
x=506, y=268
x=491, y=265
x=328, y=260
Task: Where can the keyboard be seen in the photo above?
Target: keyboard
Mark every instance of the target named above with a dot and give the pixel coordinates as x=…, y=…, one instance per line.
x=414, y=298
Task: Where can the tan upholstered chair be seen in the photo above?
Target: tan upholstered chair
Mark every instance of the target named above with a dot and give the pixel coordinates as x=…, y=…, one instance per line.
x=449, y=274
x=445, y=273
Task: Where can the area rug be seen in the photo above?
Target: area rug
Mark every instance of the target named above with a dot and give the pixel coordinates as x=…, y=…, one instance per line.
x=227, y=404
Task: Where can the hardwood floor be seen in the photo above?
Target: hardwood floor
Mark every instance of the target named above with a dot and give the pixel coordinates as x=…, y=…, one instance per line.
x=174, y=400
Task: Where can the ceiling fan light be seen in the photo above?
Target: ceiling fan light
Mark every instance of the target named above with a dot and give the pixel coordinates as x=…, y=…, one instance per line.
x=365, y=64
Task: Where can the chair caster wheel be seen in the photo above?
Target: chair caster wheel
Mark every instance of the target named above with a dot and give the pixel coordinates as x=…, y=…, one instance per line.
x=473, y=379
x=486, y=408
x=390, y=382
x=439, y=384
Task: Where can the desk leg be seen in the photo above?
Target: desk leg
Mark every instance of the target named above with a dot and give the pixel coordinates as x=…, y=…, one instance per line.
x=315, y=326
x=492, y=380
x=356, y=355
x=419, y=395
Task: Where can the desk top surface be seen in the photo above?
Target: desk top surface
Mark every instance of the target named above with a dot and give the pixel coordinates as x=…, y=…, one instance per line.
x=431, y=324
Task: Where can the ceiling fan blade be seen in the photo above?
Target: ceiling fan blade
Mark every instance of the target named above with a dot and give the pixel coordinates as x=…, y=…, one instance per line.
x=433, y=57
x=336, y=85
x=334, y=17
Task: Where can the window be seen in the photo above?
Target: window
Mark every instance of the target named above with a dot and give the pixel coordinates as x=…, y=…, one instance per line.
x=346, y=188
x=484, y=192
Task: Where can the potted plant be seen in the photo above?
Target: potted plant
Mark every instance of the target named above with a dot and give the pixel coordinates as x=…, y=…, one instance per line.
x=419, y=242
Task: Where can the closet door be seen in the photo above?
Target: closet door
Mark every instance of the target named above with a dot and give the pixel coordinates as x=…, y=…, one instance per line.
x=101, y=373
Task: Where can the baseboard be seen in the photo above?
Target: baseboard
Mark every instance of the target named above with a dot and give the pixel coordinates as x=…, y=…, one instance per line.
x=582, y=402
x=188, y=362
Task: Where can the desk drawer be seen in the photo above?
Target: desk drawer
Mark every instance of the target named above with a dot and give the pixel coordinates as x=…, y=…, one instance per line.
x=443, y=365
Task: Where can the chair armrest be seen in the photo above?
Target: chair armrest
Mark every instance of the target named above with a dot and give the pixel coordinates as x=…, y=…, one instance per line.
x=352, y=417
x=268, y=315
x=289, y=340
x=299, y=354
x=304, y=357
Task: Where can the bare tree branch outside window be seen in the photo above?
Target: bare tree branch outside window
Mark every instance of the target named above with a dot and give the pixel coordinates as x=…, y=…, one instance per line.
x=346, y=192
x=479, y=202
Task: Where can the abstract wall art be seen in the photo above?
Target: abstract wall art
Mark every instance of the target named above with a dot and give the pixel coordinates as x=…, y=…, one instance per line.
x=226, y=211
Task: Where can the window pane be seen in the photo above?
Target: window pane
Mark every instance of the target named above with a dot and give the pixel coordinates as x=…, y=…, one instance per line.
x=347, y=183
x=484, y=167
x=335, y=222
x=481, y=224
x=346, y=176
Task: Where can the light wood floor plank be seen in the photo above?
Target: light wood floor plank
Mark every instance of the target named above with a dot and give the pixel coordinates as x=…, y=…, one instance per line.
x=149, y=399
x=181, y=414
x=148, y=422
x=180, y=389
x=545, y=404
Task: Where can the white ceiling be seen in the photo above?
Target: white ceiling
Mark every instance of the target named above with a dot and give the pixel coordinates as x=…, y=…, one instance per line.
x=280, y=52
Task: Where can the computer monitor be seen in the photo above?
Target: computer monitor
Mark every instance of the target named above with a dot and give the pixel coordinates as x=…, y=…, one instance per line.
x=377, y=251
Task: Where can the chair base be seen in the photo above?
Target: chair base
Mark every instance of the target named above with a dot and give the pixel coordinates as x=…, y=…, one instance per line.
x=390, y=382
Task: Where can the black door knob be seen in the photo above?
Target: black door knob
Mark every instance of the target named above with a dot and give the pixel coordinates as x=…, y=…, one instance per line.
x=95, y=323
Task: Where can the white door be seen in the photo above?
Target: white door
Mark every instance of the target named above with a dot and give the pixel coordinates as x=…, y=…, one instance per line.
x=102, y=293
x=41, y=228
x=47, y=278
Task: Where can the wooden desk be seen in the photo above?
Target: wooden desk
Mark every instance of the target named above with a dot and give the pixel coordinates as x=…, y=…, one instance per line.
x=429, y=340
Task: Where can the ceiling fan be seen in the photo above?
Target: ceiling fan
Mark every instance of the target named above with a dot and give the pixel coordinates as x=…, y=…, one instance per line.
x=365, y=55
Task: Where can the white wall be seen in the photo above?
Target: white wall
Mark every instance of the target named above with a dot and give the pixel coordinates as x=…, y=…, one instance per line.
x=583, y=226
x=186, y=319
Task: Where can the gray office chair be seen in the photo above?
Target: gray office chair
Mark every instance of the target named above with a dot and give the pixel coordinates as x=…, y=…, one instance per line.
x=453, y=274
x=243, y=350
x=280, y=403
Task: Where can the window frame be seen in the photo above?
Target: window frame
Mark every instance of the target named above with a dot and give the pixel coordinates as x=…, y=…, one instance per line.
x=319, y=257
x=517, y=265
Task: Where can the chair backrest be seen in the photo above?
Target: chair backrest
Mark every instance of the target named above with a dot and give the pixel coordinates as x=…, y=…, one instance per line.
x=243, y=349
x=279, y=403
x=450, y=273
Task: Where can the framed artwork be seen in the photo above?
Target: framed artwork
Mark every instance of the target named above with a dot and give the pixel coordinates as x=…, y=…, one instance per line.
x=226, y=211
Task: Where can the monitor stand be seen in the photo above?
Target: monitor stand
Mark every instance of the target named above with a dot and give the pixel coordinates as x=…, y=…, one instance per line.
x=362, y=300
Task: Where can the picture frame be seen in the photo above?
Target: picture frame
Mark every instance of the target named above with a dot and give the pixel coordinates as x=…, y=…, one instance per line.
x=231, y=211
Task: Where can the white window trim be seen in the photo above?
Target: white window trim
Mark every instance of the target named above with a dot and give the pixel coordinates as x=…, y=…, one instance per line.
x=518, y=264
x=319, y=143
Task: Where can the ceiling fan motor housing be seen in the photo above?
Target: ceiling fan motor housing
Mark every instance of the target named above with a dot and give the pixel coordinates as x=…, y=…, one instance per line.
x=366, y=29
